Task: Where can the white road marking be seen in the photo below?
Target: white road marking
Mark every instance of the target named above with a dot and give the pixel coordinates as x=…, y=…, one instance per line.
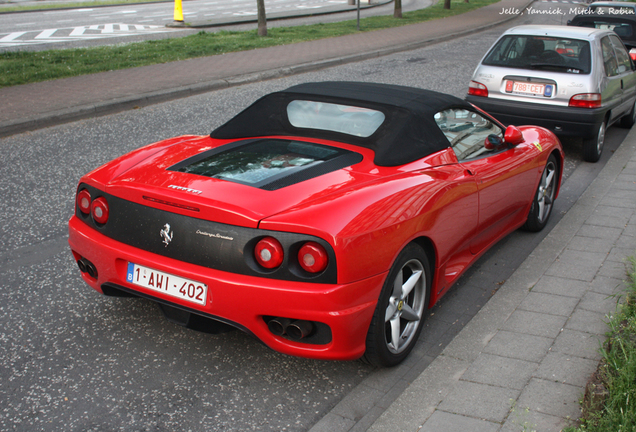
x=46, y=34
x=11, y=36
x=69, y=34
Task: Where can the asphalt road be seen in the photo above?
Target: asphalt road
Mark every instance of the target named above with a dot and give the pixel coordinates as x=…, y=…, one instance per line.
x=73, y=360
x=95, y=26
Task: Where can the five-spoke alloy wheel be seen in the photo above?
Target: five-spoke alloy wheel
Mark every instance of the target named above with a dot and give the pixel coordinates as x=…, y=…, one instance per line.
x=544, y=198
x=397, y=321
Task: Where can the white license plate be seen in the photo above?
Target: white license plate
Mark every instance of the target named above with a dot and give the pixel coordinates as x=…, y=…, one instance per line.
x=528, y=88
x=175, y=286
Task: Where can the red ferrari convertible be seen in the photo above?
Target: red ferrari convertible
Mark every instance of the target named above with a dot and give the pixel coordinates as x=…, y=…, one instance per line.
x=323, y=220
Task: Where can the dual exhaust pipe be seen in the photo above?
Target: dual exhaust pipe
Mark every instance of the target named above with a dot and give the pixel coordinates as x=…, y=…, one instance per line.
x=294, y=329
x=87, y=267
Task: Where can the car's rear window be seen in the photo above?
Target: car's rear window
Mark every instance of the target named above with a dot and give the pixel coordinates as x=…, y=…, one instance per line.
x=541, y=52
x=268, y=163
x=622, y=29
x=351, y=120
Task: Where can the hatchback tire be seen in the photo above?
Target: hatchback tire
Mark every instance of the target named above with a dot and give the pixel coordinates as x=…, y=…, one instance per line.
x=593, y=147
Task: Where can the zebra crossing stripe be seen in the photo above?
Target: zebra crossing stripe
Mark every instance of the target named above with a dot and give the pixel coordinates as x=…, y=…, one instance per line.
x=78, y=31
x=46, y=34
x=12, y=36
x=67, y=34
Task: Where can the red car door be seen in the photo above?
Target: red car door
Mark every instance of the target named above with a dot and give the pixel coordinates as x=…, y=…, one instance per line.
x=506, y=181
x=506, y=178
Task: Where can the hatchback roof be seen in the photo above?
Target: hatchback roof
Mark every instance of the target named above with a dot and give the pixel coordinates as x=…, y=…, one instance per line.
x=558, y=31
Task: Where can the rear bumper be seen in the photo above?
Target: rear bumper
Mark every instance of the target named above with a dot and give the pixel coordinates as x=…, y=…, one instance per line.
x=240, y=300
x=563, y=121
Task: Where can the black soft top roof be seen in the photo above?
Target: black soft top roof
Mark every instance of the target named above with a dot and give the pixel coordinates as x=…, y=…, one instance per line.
x=408, y=133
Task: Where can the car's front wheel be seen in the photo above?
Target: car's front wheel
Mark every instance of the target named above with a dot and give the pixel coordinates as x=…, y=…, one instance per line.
x=544, y=197
x=397, y=320
x=593, y=147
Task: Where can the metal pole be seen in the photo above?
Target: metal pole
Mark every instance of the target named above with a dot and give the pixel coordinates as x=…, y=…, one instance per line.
x=358, y=15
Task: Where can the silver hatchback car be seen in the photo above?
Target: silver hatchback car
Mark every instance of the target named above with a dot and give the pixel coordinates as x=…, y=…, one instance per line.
x=574, y=81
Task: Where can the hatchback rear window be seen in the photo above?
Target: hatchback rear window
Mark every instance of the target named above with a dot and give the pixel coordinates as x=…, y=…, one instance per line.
x=541, y=52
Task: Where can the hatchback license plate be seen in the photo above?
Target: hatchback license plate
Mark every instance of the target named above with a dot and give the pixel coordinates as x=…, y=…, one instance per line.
x=175, y=286
x=528, y=88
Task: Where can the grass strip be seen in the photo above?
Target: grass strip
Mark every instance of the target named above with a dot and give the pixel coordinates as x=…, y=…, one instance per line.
x=23, y=67
x=610, y=399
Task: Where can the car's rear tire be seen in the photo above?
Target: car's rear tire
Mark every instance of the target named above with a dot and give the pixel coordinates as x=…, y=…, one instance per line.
x=628, y=120
x=398, y=318
x=543, y=201
x=593, y=147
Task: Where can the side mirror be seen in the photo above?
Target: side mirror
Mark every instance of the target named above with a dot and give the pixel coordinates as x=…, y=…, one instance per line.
x=513, y=136
x=494, y=142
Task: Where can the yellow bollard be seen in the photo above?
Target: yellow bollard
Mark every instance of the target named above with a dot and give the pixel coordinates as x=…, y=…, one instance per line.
x=178, y=11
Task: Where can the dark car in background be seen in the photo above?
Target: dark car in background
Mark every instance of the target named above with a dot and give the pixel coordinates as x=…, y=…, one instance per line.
x=619, y=17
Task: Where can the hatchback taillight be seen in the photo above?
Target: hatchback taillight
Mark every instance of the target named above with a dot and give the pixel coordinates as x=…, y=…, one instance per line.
x=313, y=257
x=586, y=100
x=632, y=53
x=269, y=253
x=477, y=89
x=99, y=210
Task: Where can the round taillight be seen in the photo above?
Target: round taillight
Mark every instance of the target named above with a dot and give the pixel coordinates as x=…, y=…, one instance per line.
x=84, y=201
x=313, y=257
x=99, y=210
x=269, y=252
